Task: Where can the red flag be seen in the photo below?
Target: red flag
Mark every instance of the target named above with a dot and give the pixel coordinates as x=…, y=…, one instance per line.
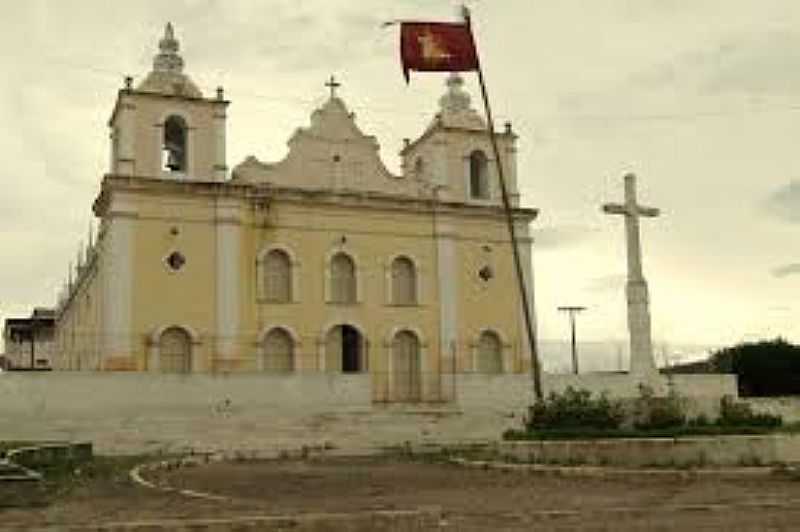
x=437, y=46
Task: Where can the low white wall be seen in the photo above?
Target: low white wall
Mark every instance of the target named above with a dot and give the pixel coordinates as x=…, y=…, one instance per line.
x=671, y=452
x=57, y=394
x=786, y=407
x=625, y=385
x=136, y=412
x=133, y=412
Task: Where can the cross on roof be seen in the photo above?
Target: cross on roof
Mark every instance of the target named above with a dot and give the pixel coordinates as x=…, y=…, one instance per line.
x=332, y=84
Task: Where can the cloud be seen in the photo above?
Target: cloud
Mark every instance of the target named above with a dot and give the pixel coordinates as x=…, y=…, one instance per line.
x=766, y=62
x=786, y=270
x=607, y=283
x=784, y=203
x=561, y=236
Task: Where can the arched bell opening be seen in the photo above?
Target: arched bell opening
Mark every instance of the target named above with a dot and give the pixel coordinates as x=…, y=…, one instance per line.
x=175, y=145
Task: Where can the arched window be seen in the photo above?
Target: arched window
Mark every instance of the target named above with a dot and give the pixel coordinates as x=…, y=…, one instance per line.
x=278, y=351
x=175, y=350
x=175, y=144
x=277, y=277
x=343, y=279
x=478, y=175
x=490, y=353
x=404, y=282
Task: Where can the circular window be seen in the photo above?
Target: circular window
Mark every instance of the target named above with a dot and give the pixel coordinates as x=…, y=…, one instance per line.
x=176, y=260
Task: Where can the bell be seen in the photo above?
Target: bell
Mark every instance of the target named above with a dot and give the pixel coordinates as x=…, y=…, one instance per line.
x=174, y=159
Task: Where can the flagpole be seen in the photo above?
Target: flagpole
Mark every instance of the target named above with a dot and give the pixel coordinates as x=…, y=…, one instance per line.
x=535, y=368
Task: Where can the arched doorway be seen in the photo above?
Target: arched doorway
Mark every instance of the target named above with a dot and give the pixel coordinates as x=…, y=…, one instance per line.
x=344, y=350
x=175, y=351
x=406, y=367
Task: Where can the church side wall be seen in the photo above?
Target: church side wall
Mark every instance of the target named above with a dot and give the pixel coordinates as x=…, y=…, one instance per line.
x=78, y=329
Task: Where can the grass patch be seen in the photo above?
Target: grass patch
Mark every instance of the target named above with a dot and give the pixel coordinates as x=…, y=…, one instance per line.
x=673, y=432
x=63, y=477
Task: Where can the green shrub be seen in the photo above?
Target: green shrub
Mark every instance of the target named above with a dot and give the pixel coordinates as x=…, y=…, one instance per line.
x=700, y=421
x=575, y=409
x=740, y=414
x=654, y=413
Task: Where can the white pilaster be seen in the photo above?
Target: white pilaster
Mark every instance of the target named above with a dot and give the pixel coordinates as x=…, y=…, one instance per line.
x=228, y=278
x=125, y=163
x=220, y=166
x=524, y=247
x=510, y=168
x=448, y=275
x=117, y=276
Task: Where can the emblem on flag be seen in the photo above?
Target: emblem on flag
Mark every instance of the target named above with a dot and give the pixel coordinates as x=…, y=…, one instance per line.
x=437, y=46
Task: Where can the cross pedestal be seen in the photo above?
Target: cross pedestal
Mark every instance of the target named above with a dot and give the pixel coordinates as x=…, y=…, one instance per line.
x=641, y=343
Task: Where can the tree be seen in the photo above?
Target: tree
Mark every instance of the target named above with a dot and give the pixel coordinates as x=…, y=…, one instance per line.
x=765, y=368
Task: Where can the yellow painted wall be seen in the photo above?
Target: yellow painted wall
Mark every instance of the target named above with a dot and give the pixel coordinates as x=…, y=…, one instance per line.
x=313, y=231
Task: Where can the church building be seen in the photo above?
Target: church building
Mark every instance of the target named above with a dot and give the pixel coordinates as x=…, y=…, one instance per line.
x=323, y=262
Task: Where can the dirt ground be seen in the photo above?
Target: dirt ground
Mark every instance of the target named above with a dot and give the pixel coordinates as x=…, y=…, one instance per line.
x=470, y=499
x=473, y=500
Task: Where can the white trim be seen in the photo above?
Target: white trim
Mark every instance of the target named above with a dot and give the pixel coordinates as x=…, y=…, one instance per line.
x=425, y=387
x=118, y=272
x=294, y=264
x=220, y=170
x=125, y=164
x=447, y=276
x=262, y=339
x=525, y=247
x=228, y=282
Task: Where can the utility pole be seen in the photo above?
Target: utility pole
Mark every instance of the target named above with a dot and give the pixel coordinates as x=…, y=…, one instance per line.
x=572, y=311
x=33, y=340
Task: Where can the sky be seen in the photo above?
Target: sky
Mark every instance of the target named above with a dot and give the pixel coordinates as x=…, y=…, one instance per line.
x=700, y=99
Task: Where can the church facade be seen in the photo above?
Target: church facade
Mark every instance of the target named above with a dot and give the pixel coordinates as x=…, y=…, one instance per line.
x=323, y=262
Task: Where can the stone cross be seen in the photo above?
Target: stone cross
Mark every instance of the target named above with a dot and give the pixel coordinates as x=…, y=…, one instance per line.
x=642, y=361
x=332, y=84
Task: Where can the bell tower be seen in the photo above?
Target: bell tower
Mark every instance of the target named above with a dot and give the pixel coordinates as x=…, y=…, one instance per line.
x=454, y=152
x=164, y=127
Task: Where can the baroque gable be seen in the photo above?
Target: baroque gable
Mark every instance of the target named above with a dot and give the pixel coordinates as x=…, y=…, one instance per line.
x=332, y=153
